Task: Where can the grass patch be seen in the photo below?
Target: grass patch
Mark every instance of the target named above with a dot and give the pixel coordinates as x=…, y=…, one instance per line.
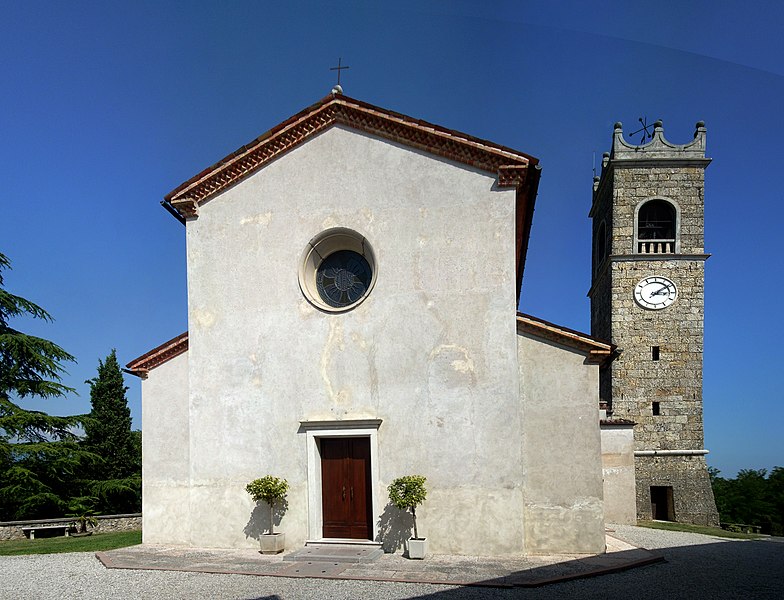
x=715, y=531
x=92, y=543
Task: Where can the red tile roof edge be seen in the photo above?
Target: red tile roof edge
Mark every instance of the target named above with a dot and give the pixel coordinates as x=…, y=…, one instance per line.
x=513, y=168
x=599, y=351
x=617, y=423
x=339, y=109
x=207, y=182
x=159, y=355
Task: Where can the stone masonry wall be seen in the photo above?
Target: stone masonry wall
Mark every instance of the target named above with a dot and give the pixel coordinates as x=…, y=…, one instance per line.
x=684, y=185
x=692, y=493
x=634, y=381
x=675, y=380
x=599, y=293
x=12, y=530
x=600, y=328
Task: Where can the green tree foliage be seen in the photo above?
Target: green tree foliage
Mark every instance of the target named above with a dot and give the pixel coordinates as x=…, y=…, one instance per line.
x=117, y=475
x=752, y=498
x=776, y=489
x=136, y=436
x=39, y=453
x=269, y=489
x=408, y=492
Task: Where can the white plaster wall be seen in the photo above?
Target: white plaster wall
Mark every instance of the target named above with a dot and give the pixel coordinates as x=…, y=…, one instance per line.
x=432, y=351
x=561, y=449
x=620, y=502
x=165, y=451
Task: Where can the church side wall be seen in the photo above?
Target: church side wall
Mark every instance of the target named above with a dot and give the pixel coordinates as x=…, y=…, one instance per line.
x=563, y=507
x=431, y=352
x=620, y=503
x=165, y=464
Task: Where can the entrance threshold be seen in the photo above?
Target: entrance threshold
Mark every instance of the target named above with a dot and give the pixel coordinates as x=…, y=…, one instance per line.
x=342, y=542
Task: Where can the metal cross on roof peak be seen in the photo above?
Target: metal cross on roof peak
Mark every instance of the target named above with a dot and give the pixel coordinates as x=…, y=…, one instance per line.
x=339, y=68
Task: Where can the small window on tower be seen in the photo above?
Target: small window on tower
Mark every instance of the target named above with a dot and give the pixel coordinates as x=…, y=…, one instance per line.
x=655, y=352
x=656, y=409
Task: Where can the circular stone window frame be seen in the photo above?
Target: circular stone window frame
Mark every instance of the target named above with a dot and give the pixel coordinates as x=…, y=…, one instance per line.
x=319, y=249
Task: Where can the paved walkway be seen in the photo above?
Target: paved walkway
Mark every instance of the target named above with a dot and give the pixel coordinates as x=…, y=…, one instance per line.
x=505, y=572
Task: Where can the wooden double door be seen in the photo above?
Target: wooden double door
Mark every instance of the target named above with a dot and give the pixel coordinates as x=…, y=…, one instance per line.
x=346, y=498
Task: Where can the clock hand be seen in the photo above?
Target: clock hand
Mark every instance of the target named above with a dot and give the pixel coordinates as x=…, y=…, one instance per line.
x=660, y=291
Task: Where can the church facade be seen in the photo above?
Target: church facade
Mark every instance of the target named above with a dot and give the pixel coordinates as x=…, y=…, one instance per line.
x=353, y=280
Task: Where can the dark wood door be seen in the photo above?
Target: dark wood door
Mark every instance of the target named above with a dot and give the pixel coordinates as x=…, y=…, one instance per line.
x=345, y=488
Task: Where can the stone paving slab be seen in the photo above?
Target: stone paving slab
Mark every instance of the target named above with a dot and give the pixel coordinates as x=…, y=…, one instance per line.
x=318, y=568
x=502, y=572
x=332, y=553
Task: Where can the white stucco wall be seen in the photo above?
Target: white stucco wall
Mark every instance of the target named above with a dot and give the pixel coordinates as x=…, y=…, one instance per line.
x=165, y=458
x=432, y=352
x=561, y=449
x=620, y=501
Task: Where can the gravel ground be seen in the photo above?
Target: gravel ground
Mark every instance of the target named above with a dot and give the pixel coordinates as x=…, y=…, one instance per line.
x=698, y=567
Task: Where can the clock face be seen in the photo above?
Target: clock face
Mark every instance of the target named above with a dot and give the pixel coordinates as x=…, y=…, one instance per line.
x=655, y=293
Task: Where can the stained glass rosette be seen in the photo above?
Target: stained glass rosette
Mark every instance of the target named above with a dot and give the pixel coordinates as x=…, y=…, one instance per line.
x=343, y=278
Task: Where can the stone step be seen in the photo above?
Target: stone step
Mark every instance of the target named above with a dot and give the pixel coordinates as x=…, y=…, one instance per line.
x=338, y=553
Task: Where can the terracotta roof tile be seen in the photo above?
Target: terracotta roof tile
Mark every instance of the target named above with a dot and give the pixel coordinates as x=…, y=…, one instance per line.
x=514, y=169
x=616, y=423
x=598, y=351
x=157, y=356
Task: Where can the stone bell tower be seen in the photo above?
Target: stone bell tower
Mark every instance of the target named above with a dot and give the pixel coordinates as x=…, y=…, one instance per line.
x=647, y=297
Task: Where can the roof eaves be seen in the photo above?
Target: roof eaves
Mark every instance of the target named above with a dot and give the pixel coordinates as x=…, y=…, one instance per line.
x=339, y=109
x=597, y=351
x=617, y=423
x=142, y=365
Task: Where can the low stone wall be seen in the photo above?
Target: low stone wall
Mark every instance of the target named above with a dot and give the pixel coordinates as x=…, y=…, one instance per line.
x=12, y=530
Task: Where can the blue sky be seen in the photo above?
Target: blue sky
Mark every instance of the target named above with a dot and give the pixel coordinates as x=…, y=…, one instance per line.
x=107, y=106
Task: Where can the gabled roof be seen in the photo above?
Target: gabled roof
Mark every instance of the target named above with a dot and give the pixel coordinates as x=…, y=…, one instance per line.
x=157, y=356
x=597, y=351
x=514, y=169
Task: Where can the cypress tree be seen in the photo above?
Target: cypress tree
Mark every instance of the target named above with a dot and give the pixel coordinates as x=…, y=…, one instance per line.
x=108, y=429
x=116, y=480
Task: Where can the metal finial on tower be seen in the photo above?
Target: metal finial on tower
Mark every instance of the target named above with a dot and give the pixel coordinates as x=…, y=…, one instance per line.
x=644, y=129
x=338, y=89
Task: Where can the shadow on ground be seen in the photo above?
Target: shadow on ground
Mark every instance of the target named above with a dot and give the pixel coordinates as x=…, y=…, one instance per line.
x=741, y=569
x=716, y=569
x=394, y=528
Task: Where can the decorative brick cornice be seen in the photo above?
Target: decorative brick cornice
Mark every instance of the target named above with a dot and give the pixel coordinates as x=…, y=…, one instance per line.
x=616, y=423
x=512, y=175
x=510, y=165
x=514, y=169
x=157, y=356
x=596, y=350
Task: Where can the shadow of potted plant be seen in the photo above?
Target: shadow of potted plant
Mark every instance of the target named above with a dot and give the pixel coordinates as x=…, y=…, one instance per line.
x=406, y=493
x=81, y=509
x=271, y=490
